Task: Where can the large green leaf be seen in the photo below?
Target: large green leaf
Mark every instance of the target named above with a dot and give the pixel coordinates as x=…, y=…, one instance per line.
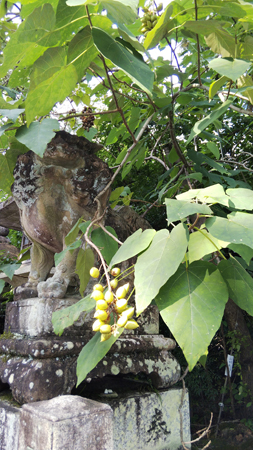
x=239, y=282
x=211, y=194
x=64, y=318
x=84, y=262
x=163, y=26
x=210, y=118
x=81, y=51
x=237, y=228
x=221, y=42
x=137, y=70
x=133, y=245
x=231, y=68
x=179, y=209
x=122, y=11
x=192, y=303
x=202, y=243
x=37, y=136
x=158, y=263
x=240, y=198
x=70, y=20
x=9, y=269
x=31, y=39
x=55, y=89
x=92, y=353
x=107, y=245
x=47, y=65
x=243, y=250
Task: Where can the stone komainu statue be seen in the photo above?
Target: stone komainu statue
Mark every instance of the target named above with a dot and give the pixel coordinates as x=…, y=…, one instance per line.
x=52, y=193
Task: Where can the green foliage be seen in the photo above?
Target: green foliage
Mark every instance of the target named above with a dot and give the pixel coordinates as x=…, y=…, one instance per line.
x=64, y=318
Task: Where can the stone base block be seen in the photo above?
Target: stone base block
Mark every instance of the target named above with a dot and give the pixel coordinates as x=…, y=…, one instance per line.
x=66, y=423
x=149, y=421
x=9, y=426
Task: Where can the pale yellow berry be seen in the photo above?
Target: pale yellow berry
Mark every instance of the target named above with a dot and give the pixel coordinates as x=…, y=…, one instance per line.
x=101, y=304
x=114, y=283
x=122, y=321
x=129, y=312
x=94, y=272
x=121, y=292
x=131, y=325
x=109, y=297
x=101, y=314
x=97, y=324
x=98, y=287
x=105, y=329
x=97, y=295
x=105, y=337
x=115, y=272
x=121, y=304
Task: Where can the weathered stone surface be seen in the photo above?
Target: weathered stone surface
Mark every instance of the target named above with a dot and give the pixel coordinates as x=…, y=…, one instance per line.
x=66, y=423
x=150, y=421
x=9, y=426
x=9, y=215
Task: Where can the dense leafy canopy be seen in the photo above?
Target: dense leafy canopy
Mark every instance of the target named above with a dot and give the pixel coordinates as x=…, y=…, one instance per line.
x=178, y=118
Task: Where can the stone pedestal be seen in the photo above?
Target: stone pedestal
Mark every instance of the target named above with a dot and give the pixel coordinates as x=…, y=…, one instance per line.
x=38, y=365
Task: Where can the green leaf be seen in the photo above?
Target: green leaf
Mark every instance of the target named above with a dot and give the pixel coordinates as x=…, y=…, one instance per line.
x=210, y=118
x=239, y=282
x=116, y=193
x=216, y=85
x=92, y=353
x=245, y=252
x=211, y=194
x=47, y=65
x=9, y=269
x=179, y=209
x=221, y=42
x=231, y=68
x=37, y=136
x=84, y=225
x=2, y=284
x=237, y=228
x=73, y=233
x=12, y=114
x=7, y=164
x=107, y=245
x=133, y=245
x=138, y=71
x=158, y=263
x=55, y=89
x=163, y=26
x=82, y=51
x=202, y=243
x=64, y=318
x=84, y=262
x=70, y=20
x=123, y=11
x=240, y=198
x=214, y=149
x=31, y=39
x=192, y=303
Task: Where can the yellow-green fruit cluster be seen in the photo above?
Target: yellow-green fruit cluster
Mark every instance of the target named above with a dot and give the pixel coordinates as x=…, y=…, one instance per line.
x=150, y=18
x=111, y=302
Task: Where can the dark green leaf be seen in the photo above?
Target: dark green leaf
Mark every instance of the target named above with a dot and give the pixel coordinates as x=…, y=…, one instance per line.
x=107, y=245
x=192, y=303
x=82, y=51
x=64, y=318
x=37, y=136
x=245, y=252
x=84, y=262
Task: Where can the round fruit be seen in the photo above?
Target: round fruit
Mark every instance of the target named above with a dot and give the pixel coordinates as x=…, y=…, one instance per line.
x=122, y=321
x=121, y=304
x=131, y=325
x=97, y=324
x=97, y=295
x=115, y=272
x=105, y=329
x=101, y=304
x=109, y=297
x=129, y=312
x=105, y=337
x=98, y=287
x=114, y=283
x=101, y=314
x=94, y=272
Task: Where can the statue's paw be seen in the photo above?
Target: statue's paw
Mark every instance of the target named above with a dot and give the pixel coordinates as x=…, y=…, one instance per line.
x=27, y=290
x=52, y=288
